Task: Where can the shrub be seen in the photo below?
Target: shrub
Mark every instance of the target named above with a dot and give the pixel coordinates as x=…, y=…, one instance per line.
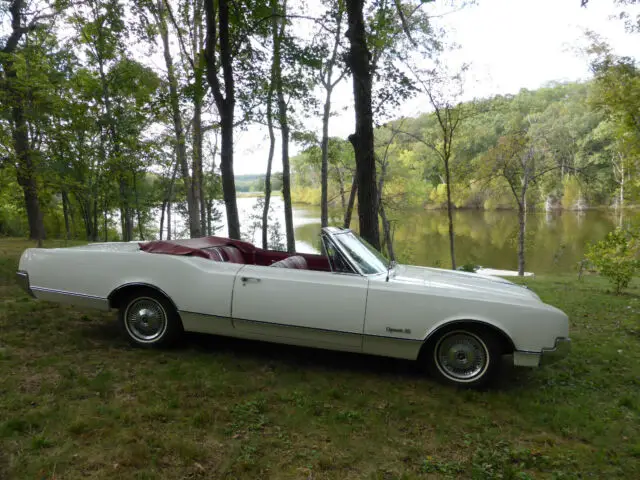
x=616, y=257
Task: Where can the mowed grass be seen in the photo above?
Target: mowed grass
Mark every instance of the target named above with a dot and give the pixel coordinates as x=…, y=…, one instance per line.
x=77, y=402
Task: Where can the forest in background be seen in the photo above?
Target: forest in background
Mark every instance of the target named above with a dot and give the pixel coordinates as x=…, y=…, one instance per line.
x=114, y=110
x=582, y=159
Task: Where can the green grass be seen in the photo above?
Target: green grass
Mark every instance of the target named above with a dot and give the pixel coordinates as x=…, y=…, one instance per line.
x=77, y=402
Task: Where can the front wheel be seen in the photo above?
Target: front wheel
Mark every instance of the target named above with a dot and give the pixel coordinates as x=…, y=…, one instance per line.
x=464, y=357
x=149, y=319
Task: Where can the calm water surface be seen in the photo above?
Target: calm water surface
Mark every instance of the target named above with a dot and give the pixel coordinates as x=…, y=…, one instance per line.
x=556, y=241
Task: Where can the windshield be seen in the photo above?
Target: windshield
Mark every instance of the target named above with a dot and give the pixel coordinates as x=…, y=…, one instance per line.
x=367, y=258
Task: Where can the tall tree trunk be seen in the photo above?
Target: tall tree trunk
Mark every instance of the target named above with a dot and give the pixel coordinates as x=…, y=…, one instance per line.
x=386, y=227
x=522, y=225
x=224, y=102
x=137, y=200
x=162, y=210
x=166, y=203
x=169, y=219
x=267, y=178
x=284, y=129
x=324, y=171
x=65, y=213
x=352, y=201
x=193, y=206
x=26, y=172
x=106, y=222
x=359, y=62
x=328, y=83
x=198, y=174
x=452, y=248
x=272, y=137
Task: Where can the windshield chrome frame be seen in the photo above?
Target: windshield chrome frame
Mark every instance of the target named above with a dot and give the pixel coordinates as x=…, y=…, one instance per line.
x=327, y=237
x=352, y=262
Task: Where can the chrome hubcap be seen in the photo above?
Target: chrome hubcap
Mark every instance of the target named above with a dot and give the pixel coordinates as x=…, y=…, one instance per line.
x=145, y=320
x=461, y=356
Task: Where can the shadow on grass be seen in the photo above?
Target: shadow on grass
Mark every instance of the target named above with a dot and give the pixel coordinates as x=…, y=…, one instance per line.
x=272, y=355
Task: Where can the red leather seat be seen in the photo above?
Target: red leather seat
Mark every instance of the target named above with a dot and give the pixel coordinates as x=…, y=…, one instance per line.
x=230, y=254
x=295, y=261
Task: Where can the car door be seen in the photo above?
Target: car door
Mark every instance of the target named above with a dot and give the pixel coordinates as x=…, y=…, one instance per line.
x=302, y=307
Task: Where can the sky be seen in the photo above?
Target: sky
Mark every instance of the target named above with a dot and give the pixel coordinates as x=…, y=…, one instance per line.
x=509, y=44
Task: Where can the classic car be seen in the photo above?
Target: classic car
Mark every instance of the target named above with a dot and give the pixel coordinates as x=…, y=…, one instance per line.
x=457, y=325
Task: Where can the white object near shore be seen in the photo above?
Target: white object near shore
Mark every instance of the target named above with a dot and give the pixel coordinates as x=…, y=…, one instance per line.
x=492, y=272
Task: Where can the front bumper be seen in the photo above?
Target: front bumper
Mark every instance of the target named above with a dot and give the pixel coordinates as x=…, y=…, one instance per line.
x=560, y=349
x=23, y=280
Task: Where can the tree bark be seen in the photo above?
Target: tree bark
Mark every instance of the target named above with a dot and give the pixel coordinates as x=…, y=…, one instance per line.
x=359, y=62
x=26, y=172
x=181, y=151
x=352, y=201
x=452, y=249
x=522, y=225
x=284, y=129
x=324, y=171
x=272, y=137
x=65, y=213
x=224, y=102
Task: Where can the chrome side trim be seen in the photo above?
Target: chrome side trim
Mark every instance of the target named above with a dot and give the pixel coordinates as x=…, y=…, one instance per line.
x=72, y=298
x=23, y=282
x=201, y=323
x=301, y=336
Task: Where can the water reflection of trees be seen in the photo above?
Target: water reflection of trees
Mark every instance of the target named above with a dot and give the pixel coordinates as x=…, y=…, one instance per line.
x=555, y=241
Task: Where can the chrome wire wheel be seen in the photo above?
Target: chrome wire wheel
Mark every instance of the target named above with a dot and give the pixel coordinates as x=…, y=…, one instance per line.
x=145, y=320
x=461, y=356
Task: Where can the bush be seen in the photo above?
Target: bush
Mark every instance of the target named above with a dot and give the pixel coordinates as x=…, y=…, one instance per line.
x=616, y=257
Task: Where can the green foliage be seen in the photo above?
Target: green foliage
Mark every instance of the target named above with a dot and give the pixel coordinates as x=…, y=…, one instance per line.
x=616, y=257
x=572, y=192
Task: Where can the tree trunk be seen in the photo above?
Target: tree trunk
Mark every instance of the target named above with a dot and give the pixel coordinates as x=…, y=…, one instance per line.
x=452, y=249
x=358, y=60
x=522, y=223
x=181, y=151
x=65, y=213
x=352, y=201
x=162, y=209
x=169, y=219
x=198, y=174
x=284, y=129
x=272, y=137
x=324, y=171
x=225, y=103
x=26, y=174
x=386, y=228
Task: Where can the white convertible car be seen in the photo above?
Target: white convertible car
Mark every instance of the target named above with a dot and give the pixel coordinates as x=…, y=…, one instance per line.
x=457, y=325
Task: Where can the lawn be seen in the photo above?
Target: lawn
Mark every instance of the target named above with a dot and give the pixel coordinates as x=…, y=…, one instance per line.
x=77, y=402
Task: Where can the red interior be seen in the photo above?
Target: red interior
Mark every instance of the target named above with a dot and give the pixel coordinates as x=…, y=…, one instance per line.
x=228, y=250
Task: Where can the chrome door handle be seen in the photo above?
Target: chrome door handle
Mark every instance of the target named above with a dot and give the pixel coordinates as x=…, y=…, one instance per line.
x=246, y=280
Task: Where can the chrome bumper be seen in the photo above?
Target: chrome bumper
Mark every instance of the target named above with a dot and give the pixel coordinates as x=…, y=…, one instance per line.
x=23, y=281
x=560, y=349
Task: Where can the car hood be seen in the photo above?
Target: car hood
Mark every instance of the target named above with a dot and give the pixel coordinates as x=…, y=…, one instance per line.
x=461, y=283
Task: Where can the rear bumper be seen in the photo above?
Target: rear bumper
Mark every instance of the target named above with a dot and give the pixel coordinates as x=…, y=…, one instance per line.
x=560, y=349
x=22, y=278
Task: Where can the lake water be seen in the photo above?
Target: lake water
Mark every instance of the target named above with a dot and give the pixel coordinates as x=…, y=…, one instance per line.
x=556, y=241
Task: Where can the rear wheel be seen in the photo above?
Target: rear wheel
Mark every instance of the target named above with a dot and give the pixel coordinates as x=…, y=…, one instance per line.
x=149, y=319
x=464, y=356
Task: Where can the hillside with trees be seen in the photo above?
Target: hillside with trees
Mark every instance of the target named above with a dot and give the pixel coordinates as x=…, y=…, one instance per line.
x=579, y=159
